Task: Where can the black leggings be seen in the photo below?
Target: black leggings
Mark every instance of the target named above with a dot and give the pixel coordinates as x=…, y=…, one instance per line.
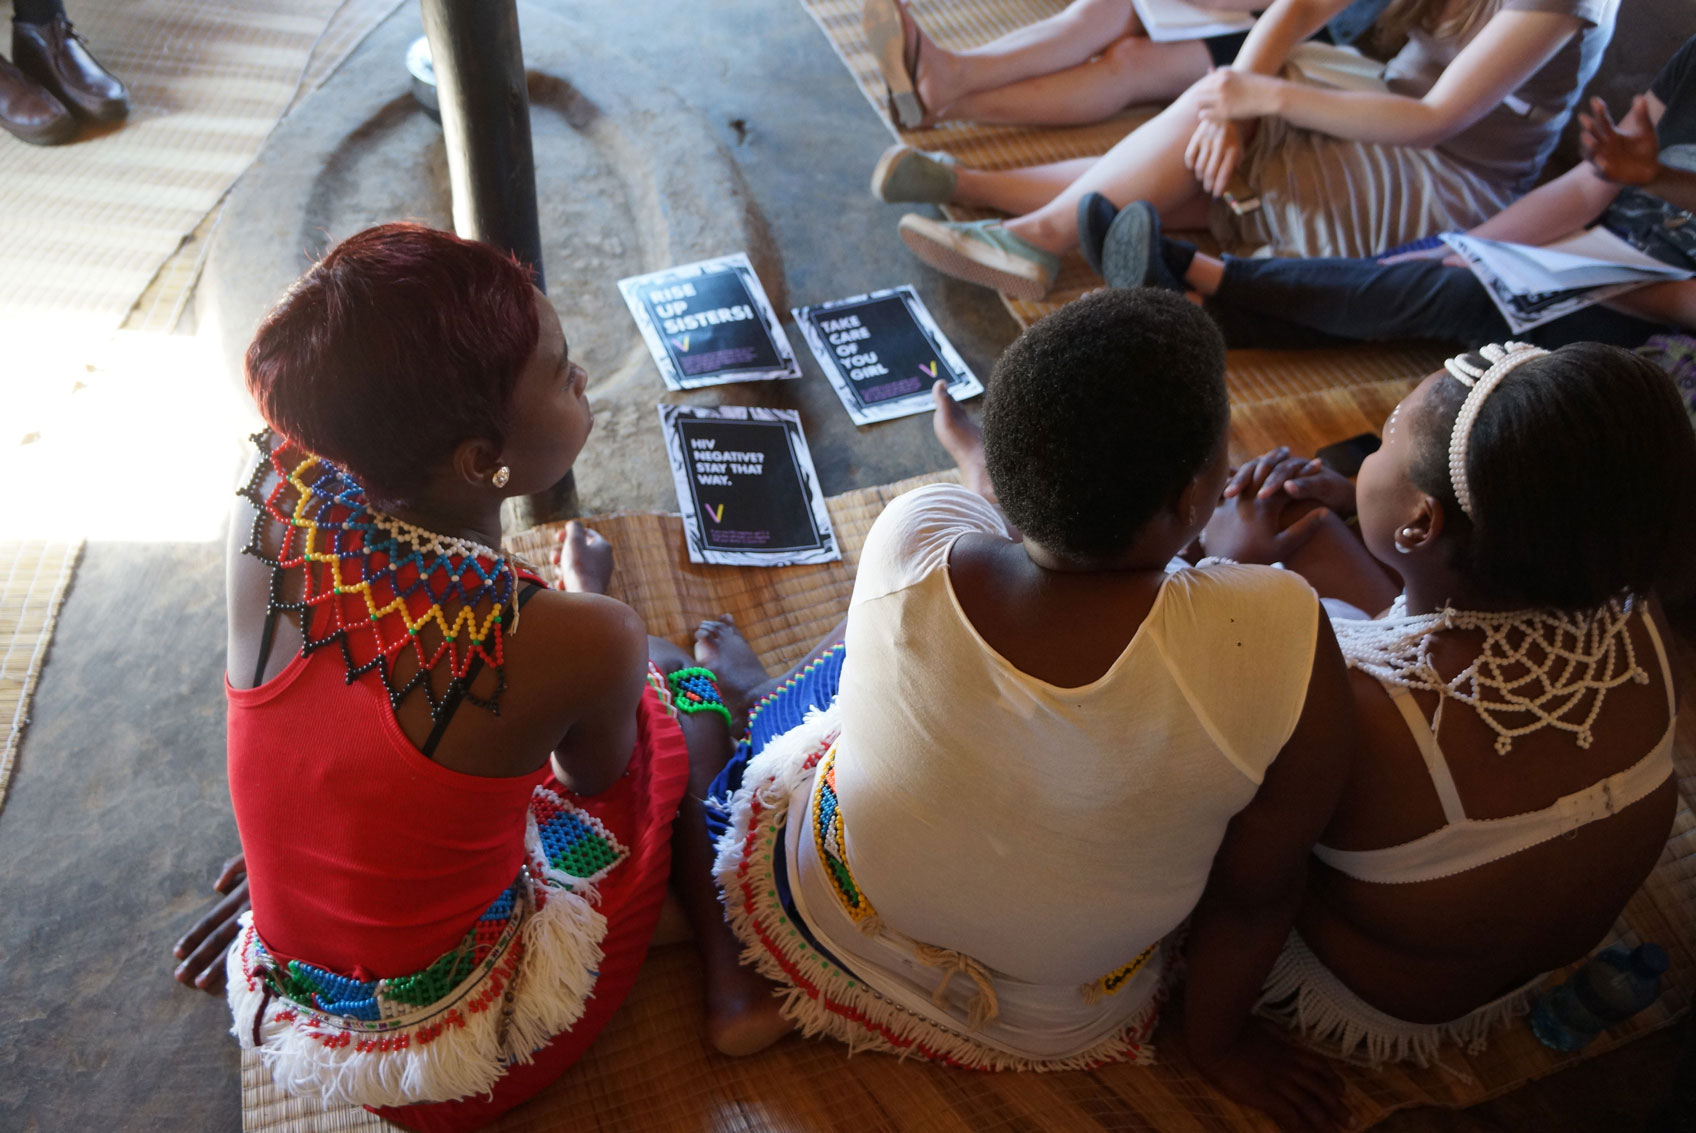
x=37, y=11
x=1293, y=303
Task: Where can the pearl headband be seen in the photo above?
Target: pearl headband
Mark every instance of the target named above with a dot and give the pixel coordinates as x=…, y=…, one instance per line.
x=1481, y=383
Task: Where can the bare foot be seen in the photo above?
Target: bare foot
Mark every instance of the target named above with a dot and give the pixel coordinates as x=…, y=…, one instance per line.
x=743, y=1012
x=720, y=646
x=585, y=560
x=934, y=71
x=963, y=439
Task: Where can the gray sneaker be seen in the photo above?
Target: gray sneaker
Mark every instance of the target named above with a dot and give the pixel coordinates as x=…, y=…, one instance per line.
x=907, y=175
x=1131, y=252
x=981, y=252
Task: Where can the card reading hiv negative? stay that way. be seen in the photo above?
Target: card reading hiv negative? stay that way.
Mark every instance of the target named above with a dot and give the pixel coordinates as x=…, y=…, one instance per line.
x=882, y=352
x=709, y=323
x=746, y=486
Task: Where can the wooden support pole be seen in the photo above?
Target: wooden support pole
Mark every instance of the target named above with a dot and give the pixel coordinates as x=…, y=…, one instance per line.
x=485, y=108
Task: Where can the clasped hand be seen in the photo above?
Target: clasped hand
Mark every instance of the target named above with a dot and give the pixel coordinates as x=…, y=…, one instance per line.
x=1216, y=147
x=1213, y=153
x=1266, y=513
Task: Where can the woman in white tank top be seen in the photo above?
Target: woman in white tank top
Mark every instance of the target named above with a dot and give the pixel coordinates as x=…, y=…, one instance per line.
x=1516, y=703
x=1032, y=757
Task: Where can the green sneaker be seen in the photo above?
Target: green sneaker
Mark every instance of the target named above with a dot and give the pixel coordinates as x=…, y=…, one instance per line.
x=981, y=252
x=907, y=175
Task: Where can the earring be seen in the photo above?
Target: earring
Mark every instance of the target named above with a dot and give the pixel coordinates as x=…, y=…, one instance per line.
x=1406, y=533
x=501, y=476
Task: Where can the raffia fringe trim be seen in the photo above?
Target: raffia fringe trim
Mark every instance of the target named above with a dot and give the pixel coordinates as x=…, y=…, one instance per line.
x=1303, y=994
x=459, y=1048
x=819, y=997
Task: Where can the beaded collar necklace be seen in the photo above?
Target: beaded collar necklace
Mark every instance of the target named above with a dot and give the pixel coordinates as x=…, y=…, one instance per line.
x=1540, y=663
x=387, y=563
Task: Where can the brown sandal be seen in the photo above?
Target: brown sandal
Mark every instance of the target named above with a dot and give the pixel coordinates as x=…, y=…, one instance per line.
x=886, y=35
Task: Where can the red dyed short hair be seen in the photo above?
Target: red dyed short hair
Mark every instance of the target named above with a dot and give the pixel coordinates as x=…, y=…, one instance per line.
x=401, y=343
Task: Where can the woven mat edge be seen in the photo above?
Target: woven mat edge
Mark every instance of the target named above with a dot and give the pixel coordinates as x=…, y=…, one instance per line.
x=68, y=563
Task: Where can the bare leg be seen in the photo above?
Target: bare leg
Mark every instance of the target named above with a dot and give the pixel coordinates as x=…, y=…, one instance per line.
x=720, y=646
x=1673, y=303
x=1147, y=165
x=742, y=1012
x=1132, y=70
x=709, y=642
x=1081, y=31
x=742, y=1006
x=1205, y=273
x=1019, y=191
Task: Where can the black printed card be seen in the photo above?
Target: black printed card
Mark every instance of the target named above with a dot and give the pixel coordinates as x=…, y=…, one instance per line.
x=882, y=352
x=746, y=486
x=709, y=323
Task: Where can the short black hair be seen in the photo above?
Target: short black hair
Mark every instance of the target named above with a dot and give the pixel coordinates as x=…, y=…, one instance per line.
x=1582, y=469
x=1101, y=414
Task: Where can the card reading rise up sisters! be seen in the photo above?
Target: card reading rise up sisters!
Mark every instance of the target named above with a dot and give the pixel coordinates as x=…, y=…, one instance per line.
x=746, y=486
x=709, y=323
x=882, y=352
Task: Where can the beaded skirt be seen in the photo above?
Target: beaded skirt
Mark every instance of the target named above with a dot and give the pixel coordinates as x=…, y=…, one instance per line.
x=520, y=996
x=775, y=807
x=1307, y=997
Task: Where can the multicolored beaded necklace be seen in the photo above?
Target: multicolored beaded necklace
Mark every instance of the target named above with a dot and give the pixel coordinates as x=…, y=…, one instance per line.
x=386, y=562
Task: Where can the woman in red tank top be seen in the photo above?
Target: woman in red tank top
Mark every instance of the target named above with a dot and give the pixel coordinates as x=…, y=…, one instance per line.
x=457, y=835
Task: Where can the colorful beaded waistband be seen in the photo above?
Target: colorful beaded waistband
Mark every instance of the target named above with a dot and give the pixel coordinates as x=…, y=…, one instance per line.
x=398, y=1000
x=567, y=846
x=825, y=822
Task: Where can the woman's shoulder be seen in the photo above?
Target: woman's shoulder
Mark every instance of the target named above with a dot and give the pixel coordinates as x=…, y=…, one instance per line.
x=571, y=641
x=1241, y=642
x=912, y=537
x=937, y=507
x=1227, y=624
x=1271, y=590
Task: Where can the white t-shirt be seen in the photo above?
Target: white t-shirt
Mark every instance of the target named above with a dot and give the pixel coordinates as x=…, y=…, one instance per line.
x=1051, y=833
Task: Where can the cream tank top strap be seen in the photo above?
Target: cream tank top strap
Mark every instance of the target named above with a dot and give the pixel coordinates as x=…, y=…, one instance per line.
x=1467, y=843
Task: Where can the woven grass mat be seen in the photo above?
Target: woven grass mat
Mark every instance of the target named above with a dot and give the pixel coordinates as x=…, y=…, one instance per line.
x=963, y=24
x=85, y=227
x=651, y=1069
x=783, y=612
x=33, y=579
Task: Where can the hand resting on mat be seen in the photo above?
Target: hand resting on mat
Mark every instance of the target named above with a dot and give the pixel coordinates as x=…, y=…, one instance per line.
x=203, y=947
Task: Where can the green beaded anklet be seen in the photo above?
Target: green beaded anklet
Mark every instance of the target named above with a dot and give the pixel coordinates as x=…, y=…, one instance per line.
x=696, y=690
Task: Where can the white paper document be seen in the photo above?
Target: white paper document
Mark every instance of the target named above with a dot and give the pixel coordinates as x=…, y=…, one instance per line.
x=746, y=485
x=882, y=352
x=1167, y=21
x=1532, y=285
x=709, y=323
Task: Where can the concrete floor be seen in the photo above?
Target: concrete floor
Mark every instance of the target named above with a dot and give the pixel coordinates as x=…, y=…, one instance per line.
x=119, y=813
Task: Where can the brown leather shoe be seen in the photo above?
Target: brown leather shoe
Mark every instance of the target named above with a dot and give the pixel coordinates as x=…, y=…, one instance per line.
x=56, y=57
x=30, y=112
